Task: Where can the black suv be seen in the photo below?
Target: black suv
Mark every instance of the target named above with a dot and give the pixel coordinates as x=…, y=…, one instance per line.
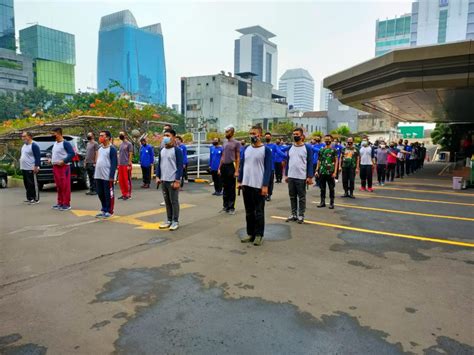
x=78, y=166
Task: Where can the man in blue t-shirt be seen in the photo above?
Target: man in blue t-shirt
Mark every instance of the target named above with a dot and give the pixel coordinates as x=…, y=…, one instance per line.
x=408, y=149
x=147, y=159
x=215, y=156
x=184, y=149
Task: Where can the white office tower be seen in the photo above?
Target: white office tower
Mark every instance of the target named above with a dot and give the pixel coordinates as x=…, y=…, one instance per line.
x=298, y=85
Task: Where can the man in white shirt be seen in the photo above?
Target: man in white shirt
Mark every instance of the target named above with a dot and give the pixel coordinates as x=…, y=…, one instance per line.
x=30, y=161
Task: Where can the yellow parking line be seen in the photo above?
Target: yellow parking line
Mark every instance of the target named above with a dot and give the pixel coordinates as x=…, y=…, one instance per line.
x=388, y=234
x=427, y=191
x=416, y=200
x=406, y=212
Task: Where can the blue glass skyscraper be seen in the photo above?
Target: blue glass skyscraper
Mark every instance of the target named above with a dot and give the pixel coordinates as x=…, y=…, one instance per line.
x=7, y=25
x=132, y=56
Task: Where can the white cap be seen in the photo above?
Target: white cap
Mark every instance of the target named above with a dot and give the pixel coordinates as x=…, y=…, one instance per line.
x=229, y=127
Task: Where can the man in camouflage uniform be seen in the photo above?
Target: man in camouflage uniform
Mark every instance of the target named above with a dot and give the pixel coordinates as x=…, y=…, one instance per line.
x=349, y=162
x=326, y=171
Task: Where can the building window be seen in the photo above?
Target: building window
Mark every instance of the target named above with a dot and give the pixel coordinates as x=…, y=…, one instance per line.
x=442, y=26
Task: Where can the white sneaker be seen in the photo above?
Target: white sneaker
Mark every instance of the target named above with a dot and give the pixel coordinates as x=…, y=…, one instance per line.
x=165, y=225
x=211, y=184
x=163, y=203
x=174, y=226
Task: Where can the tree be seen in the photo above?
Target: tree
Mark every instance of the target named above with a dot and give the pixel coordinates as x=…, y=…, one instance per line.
x=285, y=128
x=442, y=134
x=317, y=133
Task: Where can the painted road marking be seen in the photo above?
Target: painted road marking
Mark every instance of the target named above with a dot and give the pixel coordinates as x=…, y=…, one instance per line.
x=450, y=187
x=388, y=234
x=405, y=212
x=416, y=200
x=132, y=219
x=427, y=191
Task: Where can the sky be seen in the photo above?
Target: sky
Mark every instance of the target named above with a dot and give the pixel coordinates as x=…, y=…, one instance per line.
x=323, y=37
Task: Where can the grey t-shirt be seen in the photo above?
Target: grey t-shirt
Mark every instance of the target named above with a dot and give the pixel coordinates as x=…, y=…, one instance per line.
x=124, y=152
x=254, y=167
x=382, y=156
x=27, y=158
x=231, y=148
x=91, y=148
x=298, y=160
x=102, y=166
x=168, y=164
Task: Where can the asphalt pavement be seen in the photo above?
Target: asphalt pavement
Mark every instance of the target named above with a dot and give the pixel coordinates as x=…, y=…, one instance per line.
x=390, y=272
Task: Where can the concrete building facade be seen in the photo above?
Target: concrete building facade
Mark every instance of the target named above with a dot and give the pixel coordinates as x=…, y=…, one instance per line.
x=216, y=101
x=342, y=115
x=298, y=87
x=325, y=95
x=311, y=121
x=255, y=53
x=16, y=72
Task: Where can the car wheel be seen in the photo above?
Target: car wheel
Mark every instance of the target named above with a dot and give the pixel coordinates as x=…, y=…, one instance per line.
x=3, y=183
x=84, y=183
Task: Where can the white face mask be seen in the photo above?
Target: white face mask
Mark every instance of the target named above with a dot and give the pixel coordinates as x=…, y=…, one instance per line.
x=364, y=143
x=382, y=146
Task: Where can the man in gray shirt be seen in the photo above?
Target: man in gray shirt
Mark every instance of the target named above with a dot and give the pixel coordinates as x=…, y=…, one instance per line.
x=254, y=178
x=91, y=157
x=30, y=161
x=169, y=171
x=229, y=169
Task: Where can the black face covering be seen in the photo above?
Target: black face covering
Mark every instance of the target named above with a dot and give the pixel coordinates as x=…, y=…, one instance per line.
x=254, y=139
x=349, y=143
x=296, y=138
x=318, y=140
x=89, y=138
x=122, y=137
x=327, y=142
x=268, y=140
x=215, y=143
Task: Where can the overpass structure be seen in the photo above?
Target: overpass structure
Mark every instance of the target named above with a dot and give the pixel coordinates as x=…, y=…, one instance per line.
x=419, y=84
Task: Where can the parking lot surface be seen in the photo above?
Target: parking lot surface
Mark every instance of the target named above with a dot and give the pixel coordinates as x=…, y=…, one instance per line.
x=391, y=272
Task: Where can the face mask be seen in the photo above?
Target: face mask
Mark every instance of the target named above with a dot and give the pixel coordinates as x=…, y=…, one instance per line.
x=122, y=137
x=215, y=143
x=101, y=140
x=254, y=139
x=89, y=138
x=296, y=138
x=364, y=143
x=318, y=140
x=349, y=143
x=382, y=146
x=392, y=146
x=327, y=142
x=166, y=140
x=268, y=140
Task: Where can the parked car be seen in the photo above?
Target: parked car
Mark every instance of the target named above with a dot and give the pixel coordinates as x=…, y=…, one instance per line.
x=3, y=179
x=193, y=157
x=78, y=166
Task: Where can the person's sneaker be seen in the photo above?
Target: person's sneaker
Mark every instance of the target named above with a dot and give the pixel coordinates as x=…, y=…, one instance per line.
x=291, y=218
x=383, y=184
x=258, y=240
x=321, y=204
x=336, y=180
x=362, y=189
x=165, y=225
x=121, y=198
x=219, y=193
x=211, y=184
x=129, y=197
x=65, y=208
x=231, y=212
x=56, y=207
x=351, y=196
x=100, y=215
x=33, y=202
x=107, y=215
x=331, y=205
x=163, y=203
x=300, y=220
x=214, y=193
x=268, y=198
x=370, y=189
x=223, y=210
x=174, y=226
x=345, y=195
x=247, y=239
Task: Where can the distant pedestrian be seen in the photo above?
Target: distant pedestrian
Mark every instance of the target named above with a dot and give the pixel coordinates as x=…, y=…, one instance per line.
x=30, y=162
x=61, y=157
x=391, y=161
x=91, y=157
x=229, y=169
x=349, y=162
x=381, y=159
x=326, y=171
x=408, y=160
x=180, y=144
x=169, y=171
x=400, y=159
x=214, y=161
x=276, y=154
x=279, y=159
x=338, y=147
x=299, y=174
x=254, y=179
x=104, y=174
x=243, y=144
x=367, y=163
x=147, y=159
x=125, y=167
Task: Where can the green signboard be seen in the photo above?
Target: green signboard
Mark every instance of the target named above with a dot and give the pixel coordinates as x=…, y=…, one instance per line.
x=412, y=132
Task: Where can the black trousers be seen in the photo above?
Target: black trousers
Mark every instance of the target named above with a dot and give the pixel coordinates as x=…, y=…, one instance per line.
x=254, y=204
x=146, y=175
x=279, y=171
x=348, y=179
x=391, y=171
x=297, y=192
x=185, y=175
x=31, y=185
x=366, y=176
x=217, y=181
x=381, y=173
x=272, y=183
x=105, y=191
x=329, y=180
x=408, y=166
x=90, y=168
x=400, y=168
x=228, y=182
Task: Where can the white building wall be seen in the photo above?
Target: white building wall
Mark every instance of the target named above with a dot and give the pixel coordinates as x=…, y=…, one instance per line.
x=311, y=124
x=246, y=53
x=457, y=20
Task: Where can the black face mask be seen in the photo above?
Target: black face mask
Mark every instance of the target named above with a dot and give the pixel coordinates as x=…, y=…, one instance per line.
x=122, y=137
x=349, y=143
x=296, y=138
x=254, y=139
x=268, y=140
x=327, y=142
x=318, y=140
x=215, y=143
x=89, y=138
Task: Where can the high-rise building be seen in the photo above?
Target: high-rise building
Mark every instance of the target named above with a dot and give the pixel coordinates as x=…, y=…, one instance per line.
x=254, y=53
x=54, y=57
x=132, y=56
x=298, y=87
x=392, y=34
x=441, y=21
x=325, y=95
x=16, y=71
x=7, y=25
